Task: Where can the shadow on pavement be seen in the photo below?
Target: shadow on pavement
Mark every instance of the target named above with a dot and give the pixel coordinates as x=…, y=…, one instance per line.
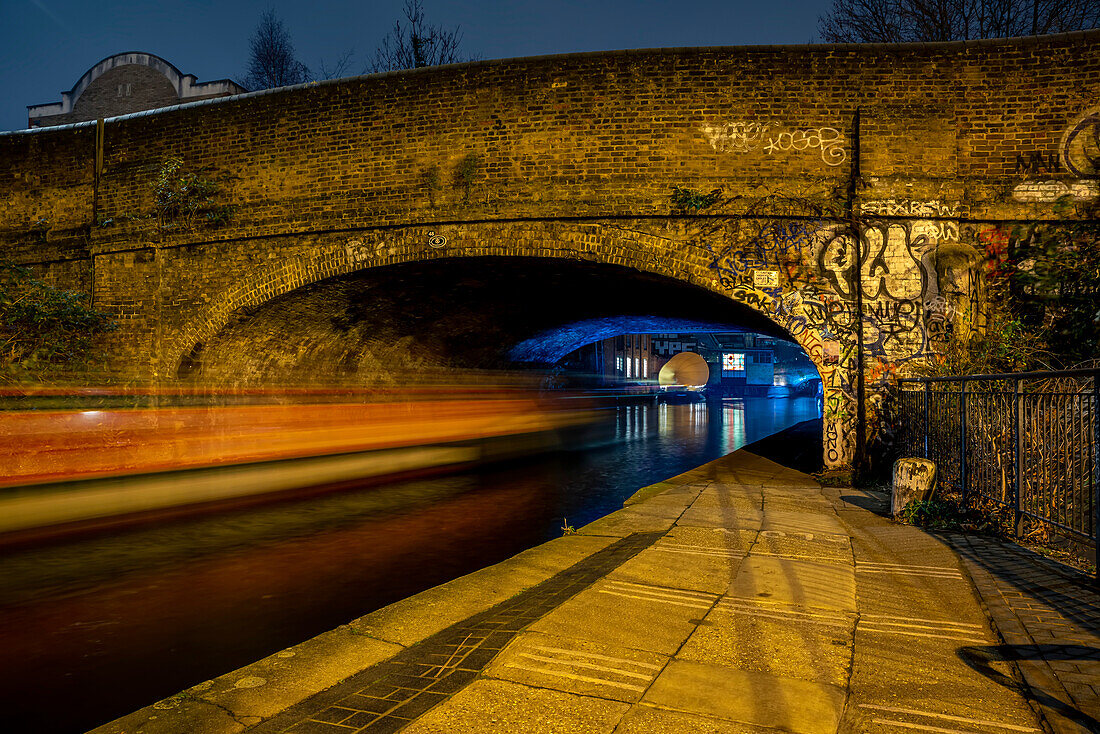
x=875, y=505
x=981, y=657
x=798, y=447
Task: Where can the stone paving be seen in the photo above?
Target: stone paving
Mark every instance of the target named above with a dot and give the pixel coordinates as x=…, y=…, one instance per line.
x=738, y=598
x=1049, y=619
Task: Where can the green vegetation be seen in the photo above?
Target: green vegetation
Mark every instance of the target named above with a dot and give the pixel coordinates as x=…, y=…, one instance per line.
x=1043, y=301
x=951, y=512
x=465, y=173
x=184, y=198
x=44, y=330
x=687, y=199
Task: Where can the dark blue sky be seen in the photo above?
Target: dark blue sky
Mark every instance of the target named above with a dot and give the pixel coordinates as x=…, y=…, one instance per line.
x=46, y=45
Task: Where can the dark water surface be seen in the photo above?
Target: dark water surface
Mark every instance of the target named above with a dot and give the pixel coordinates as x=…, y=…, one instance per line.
x=94, y=628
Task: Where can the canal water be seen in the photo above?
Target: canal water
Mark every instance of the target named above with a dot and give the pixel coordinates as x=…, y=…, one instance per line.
x=96, y=627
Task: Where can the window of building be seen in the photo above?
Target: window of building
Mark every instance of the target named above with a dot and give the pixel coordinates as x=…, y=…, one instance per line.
x=733, y=362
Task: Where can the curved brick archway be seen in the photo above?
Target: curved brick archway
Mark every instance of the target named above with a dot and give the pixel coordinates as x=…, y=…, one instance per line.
x=666, y=248
x=619, y=244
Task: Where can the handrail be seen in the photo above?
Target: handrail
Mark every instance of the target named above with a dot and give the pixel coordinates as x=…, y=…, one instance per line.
x=1089, y=371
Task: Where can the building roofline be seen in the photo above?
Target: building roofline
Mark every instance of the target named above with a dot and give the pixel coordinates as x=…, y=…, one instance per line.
x=185, y=84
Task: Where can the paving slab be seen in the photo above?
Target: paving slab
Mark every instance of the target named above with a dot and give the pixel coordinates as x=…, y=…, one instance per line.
x=510, y=708
x=578, y=666
x=733, y=540
x=796, y=706
x=625, y=522
x=645, y=719
x=682, y=566
x=828, y=547
x=775, y=639
x=803, y=522
x=638, y=616
x=796, y=582
x=716, y=516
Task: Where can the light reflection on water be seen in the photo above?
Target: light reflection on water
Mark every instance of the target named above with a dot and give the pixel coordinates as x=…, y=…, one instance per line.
x=111, y=623
x=654, y=442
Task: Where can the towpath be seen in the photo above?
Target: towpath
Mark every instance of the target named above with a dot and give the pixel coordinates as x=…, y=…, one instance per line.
x=738, y=598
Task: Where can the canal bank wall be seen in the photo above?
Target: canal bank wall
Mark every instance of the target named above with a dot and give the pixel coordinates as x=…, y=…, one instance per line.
x=271, y=687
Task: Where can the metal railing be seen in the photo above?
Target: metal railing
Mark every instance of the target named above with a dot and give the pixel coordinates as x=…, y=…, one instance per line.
x=1026, y=442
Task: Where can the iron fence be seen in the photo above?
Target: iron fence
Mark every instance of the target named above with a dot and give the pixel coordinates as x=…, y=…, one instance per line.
x=1025, y=442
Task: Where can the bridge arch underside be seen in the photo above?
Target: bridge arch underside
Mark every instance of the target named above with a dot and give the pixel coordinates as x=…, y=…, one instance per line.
x=392, y=323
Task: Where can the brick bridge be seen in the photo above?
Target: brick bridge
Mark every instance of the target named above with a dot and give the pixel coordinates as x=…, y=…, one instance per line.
x=337, y=190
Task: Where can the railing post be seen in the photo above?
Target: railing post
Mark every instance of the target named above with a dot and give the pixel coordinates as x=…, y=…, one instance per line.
x=1017, y=486
x=962, y=440
x=1096, y=474
x=927, y=406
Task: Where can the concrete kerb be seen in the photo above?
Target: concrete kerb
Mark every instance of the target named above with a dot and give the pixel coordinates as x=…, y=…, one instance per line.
x=245, y=697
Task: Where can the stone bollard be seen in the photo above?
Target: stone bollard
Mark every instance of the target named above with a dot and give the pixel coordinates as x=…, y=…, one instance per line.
x=914, y=479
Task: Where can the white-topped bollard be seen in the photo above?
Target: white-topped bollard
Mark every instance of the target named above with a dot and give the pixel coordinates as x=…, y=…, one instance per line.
x=914, y=479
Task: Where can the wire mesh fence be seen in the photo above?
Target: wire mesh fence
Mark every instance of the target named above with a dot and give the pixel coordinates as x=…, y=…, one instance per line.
x=1025, y=444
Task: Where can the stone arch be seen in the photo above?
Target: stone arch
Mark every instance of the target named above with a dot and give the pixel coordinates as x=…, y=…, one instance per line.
x=641, y=247
x=597, y=242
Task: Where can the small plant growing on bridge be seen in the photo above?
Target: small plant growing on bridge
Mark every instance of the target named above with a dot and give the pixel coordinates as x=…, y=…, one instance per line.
x=185, y=198
x=43, y=328
x=41, y=229
x=465, y=174
x=432, y=183
x=686, y=199
x=566, y=528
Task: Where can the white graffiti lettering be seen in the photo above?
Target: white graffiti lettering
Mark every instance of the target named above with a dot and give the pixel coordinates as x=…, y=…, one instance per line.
x=909, y=208
x=736, y=136
x=828, y=139
x=1051, y=191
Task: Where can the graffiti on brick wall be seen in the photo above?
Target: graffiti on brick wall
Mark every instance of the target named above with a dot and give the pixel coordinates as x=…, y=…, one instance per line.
x=1036, y=163
x=769, y=137
x=1080, y=148
x=918, y=284
x=740, y=136
x=1047, y=192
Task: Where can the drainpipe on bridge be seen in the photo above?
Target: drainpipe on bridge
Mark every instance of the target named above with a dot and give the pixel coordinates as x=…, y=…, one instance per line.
x=98, y=169
x=859, y=461
x=96, y=173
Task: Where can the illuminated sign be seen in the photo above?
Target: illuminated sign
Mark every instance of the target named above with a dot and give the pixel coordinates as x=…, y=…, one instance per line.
x=733, y=361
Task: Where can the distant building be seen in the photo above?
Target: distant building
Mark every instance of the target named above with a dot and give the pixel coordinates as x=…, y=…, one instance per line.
x=627, y=358
x=125, y=83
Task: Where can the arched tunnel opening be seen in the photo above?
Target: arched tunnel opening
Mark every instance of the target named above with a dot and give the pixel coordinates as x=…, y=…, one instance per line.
x=486, y=313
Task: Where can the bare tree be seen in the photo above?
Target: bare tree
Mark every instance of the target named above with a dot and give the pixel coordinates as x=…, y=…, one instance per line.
x=415, y=43
x=338, y=68
x=887, y=21
x=272, y=61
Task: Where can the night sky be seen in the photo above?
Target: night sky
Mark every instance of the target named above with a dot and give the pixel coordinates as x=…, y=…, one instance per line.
x=46, y=45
